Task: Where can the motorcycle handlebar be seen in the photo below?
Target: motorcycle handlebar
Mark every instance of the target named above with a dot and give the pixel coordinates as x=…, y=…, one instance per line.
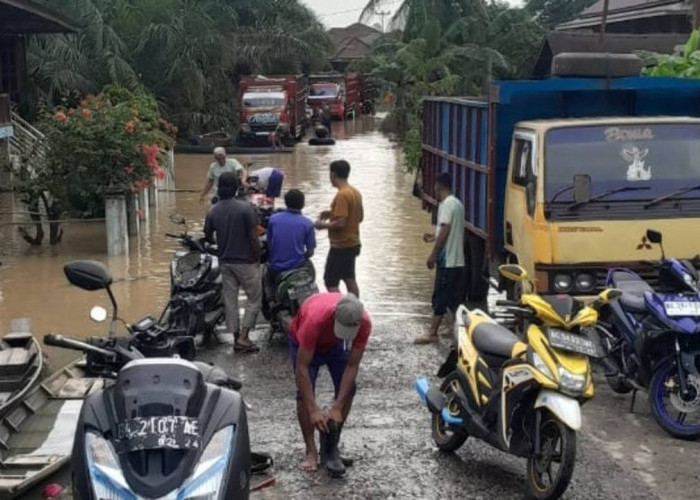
x=57, y=340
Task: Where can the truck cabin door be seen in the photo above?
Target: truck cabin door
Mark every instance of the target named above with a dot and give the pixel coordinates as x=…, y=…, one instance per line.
x=521, y=199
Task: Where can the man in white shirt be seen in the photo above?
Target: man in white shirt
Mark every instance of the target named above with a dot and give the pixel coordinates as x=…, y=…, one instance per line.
x=269, y=180
x=447, y=255
x=220, y=165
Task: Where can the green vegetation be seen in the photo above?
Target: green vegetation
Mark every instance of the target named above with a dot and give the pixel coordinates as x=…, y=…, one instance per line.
x=683, y=63
x=187, y=53
x=109, y=143
x=448, y=47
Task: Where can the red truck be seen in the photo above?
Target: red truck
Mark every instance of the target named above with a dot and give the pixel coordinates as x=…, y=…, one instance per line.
x=342, y=93
x=270, y=103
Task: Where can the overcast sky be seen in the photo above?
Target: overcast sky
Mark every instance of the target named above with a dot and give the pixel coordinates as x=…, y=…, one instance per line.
x=343, y=14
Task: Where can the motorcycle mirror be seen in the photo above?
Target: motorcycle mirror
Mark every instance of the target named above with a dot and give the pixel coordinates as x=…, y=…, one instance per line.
x=513, y=272
x=98, y=314
x=177, y=219
x=654, y=236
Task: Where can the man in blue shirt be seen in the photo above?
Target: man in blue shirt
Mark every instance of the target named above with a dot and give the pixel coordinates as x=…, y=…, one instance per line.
x=290, y=236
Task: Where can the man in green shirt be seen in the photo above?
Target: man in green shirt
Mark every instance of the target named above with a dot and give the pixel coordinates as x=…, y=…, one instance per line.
x=447, y=255
x=220, y=165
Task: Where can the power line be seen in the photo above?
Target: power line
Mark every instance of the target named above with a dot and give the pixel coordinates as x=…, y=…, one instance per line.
x=357, y=9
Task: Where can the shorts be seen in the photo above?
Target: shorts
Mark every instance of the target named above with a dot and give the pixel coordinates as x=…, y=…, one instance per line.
x=340, y=265
x=336, y=359
x=446, y=291
x=274, y=184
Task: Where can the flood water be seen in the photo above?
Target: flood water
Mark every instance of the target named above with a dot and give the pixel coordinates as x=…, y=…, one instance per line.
x=391, y=269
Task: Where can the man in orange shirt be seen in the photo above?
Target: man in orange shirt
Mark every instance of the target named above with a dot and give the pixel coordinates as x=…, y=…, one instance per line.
x=343, y=224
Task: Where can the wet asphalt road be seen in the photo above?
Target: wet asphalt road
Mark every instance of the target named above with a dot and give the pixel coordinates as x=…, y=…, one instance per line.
x=388, y=434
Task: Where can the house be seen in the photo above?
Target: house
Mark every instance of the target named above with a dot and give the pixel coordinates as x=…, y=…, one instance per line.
x=351, y=43
x=557, y=42
x=635, y=16
x=18, y=20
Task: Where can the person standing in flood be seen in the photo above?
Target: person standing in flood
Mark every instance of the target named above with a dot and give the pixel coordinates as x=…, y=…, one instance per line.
x=234, y=224
x=447, y=255
x=343, y=224
x=327, y=119
x=220, y=165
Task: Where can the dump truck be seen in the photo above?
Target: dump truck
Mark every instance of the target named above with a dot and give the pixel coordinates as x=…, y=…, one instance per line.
x=565, y=176
x=341, y=92
x=273, y=103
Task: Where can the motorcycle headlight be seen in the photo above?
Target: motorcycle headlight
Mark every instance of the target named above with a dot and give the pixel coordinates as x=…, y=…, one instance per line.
x=537, y=361
x=108, y=482
x=570, y=383
x=205, y=483
x=585, y=282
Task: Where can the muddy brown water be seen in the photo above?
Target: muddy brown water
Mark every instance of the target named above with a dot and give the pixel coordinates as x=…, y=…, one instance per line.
x=391, y=269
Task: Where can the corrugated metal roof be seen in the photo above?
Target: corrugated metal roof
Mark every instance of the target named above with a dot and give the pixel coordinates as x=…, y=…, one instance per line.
x=627, y=10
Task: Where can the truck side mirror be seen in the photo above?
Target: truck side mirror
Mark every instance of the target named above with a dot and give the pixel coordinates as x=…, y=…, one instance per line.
x=582, y=188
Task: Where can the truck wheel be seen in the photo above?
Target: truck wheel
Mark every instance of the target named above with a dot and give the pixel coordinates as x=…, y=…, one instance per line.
x=477, y=285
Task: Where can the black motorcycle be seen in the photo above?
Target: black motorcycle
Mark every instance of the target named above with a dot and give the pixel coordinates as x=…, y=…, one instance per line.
x=162, y=428
x=283, y=296
x=196, y=305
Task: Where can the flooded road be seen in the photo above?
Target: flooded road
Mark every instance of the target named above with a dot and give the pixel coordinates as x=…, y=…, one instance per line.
x=620, y=455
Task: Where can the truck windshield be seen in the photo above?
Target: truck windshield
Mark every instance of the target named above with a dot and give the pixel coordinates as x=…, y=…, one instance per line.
x=659, y=157
x=324, y=90
x=263, y=101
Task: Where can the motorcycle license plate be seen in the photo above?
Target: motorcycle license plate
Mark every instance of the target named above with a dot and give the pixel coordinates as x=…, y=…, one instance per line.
x=572, y=342
x=679, y=308
x=177, y=433
x=302, y=292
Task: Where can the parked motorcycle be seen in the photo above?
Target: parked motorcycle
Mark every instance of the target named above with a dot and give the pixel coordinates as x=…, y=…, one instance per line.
x=520, y=396
x=652, y=342
x=196, y=305
x=147, y=335
x=283, y=297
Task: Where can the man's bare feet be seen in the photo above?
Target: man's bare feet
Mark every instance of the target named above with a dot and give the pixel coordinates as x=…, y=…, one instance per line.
x=310, y=464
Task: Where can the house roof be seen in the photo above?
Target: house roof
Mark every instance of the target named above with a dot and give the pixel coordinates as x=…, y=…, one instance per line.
x=19, y=17
x=352, y=42
x=627, y=10
x=557, y=42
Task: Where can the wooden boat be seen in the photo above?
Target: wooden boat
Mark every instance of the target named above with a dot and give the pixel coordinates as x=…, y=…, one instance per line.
x=21, y=365
x=36, y=436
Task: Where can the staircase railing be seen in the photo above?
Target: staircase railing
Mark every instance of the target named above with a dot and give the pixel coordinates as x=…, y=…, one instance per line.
x=27, y=140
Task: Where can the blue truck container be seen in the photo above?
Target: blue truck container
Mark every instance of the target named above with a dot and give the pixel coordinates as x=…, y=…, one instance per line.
x=471, y=139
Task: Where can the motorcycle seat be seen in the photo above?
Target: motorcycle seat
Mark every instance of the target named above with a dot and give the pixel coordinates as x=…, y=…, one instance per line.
x=494, y=339
x=632, y=288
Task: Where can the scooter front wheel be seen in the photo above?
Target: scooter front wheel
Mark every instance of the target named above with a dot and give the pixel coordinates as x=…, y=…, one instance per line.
x=549, y=474
x=448, y=438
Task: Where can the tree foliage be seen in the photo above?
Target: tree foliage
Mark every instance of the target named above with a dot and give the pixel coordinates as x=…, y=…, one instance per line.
x=187, y=53
x=448, y=47
x=112, y=142
x=683, y=63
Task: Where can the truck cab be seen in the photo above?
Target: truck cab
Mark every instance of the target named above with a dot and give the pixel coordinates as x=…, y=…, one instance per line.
x=263, y=110
x=581, y=194
x=331, y=94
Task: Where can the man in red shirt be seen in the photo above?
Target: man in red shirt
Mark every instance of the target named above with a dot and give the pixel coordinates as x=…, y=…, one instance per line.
x=333, y=330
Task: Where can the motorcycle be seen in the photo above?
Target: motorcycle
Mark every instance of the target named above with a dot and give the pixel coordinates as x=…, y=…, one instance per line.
x=652, y=341
x=150, y=338
x=521, y=396
x=196, y=304
x=283, y=297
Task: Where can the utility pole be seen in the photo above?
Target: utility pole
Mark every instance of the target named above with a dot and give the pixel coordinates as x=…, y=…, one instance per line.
x=604, y=21
x=386, y=13
x=696, y=14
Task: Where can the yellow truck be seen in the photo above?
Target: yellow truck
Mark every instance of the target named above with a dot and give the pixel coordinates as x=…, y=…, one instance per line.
x=564, y=176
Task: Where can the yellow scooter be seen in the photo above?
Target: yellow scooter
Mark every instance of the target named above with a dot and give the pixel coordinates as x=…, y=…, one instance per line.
x=522, y=397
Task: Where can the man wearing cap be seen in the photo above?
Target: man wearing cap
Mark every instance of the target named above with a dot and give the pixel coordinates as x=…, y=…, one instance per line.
x=332, y=330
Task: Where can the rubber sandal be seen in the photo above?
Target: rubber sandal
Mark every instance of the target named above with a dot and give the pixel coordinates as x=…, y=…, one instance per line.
x=260, y=462
x=245, y=349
